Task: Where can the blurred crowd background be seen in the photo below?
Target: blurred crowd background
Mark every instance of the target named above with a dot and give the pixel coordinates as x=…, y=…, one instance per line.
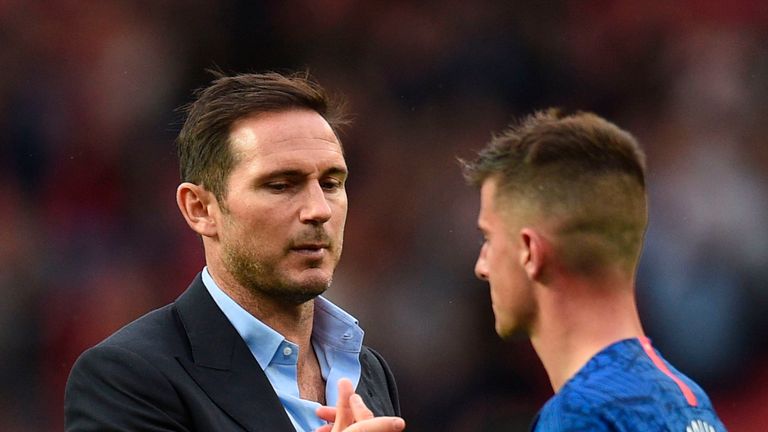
x=90, y=236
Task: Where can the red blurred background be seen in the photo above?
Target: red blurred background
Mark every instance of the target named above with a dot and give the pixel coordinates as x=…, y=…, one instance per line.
x=90, y=237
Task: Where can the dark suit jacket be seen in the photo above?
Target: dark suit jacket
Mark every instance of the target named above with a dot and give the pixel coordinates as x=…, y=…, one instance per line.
x=183, y=367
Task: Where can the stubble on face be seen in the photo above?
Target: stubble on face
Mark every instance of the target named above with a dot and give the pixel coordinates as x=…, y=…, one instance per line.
x=277, y=241
x=262, y=277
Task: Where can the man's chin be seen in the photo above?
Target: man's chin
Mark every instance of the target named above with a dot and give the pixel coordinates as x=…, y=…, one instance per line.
x=511, y=333
x=298, y=298
x=302, y=291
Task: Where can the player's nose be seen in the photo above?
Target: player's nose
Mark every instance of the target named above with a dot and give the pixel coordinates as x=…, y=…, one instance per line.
x=481, y=266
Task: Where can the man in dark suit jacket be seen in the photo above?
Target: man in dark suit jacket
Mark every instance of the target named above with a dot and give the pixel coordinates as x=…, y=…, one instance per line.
x=251, y=345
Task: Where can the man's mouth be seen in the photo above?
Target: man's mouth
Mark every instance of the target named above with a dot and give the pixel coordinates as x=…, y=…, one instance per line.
x=311, y=250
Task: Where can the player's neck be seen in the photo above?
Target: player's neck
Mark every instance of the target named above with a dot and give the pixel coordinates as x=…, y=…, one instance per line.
x=578, y=320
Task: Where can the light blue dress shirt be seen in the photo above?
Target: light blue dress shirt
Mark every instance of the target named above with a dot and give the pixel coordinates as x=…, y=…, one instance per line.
x=336, y=338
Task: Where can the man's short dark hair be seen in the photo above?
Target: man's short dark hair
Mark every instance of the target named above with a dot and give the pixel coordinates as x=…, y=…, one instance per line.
x=580, y=172
x=205, y=156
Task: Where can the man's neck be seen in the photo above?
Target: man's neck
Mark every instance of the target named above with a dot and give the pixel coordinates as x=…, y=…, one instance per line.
x=578, y=320
x=293, y=321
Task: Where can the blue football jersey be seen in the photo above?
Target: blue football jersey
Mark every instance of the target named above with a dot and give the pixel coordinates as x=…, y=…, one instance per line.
x=628, y=386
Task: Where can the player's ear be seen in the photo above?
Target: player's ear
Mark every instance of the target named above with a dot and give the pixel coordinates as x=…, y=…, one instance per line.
x=199, y=208
x=533, y=252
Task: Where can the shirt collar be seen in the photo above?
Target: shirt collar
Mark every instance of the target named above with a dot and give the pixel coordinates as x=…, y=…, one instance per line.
x=261, y=339
x=335, y=328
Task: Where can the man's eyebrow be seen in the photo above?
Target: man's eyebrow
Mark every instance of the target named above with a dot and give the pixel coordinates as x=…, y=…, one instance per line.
x=285, y=173
x=292, y=172
x=336, y=170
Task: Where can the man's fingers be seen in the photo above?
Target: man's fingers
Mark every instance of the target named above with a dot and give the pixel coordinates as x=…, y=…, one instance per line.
x=346, y=389
x=378, y=424
x=344, y=416
x=326, y=413
x=359, y=410
x=351, y=414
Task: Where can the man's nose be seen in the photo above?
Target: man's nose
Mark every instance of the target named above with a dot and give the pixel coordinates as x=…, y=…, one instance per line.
x=315, y=208
x=481, y=266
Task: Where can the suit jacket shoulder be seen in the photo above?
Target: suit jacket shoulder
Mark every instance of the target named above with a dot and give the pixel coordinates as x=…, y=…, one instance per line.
x=183, y=367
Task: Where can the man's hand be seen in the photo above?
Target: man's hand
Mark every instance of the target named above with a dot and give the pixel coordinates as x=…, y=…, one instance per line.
x=351, y=414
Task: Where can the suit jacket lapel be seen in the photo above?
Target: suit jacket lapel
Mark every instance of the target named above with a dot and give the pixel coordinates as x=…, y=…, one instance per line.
x=367, y=388
x=223, y=366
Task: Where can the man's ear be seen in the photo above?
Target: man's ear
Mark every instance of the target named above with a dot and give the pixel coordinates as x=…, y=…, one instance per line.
x=199, y=208
x=533, y=253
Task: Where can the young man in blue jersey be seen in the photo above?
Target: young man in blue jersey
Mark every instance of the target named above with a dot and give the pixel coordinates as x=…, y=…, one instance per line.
x=563, y=212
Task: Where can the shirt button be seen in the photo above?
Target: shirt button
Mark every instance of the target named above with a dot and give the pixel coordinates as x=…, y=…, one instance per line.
x=287, y=351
